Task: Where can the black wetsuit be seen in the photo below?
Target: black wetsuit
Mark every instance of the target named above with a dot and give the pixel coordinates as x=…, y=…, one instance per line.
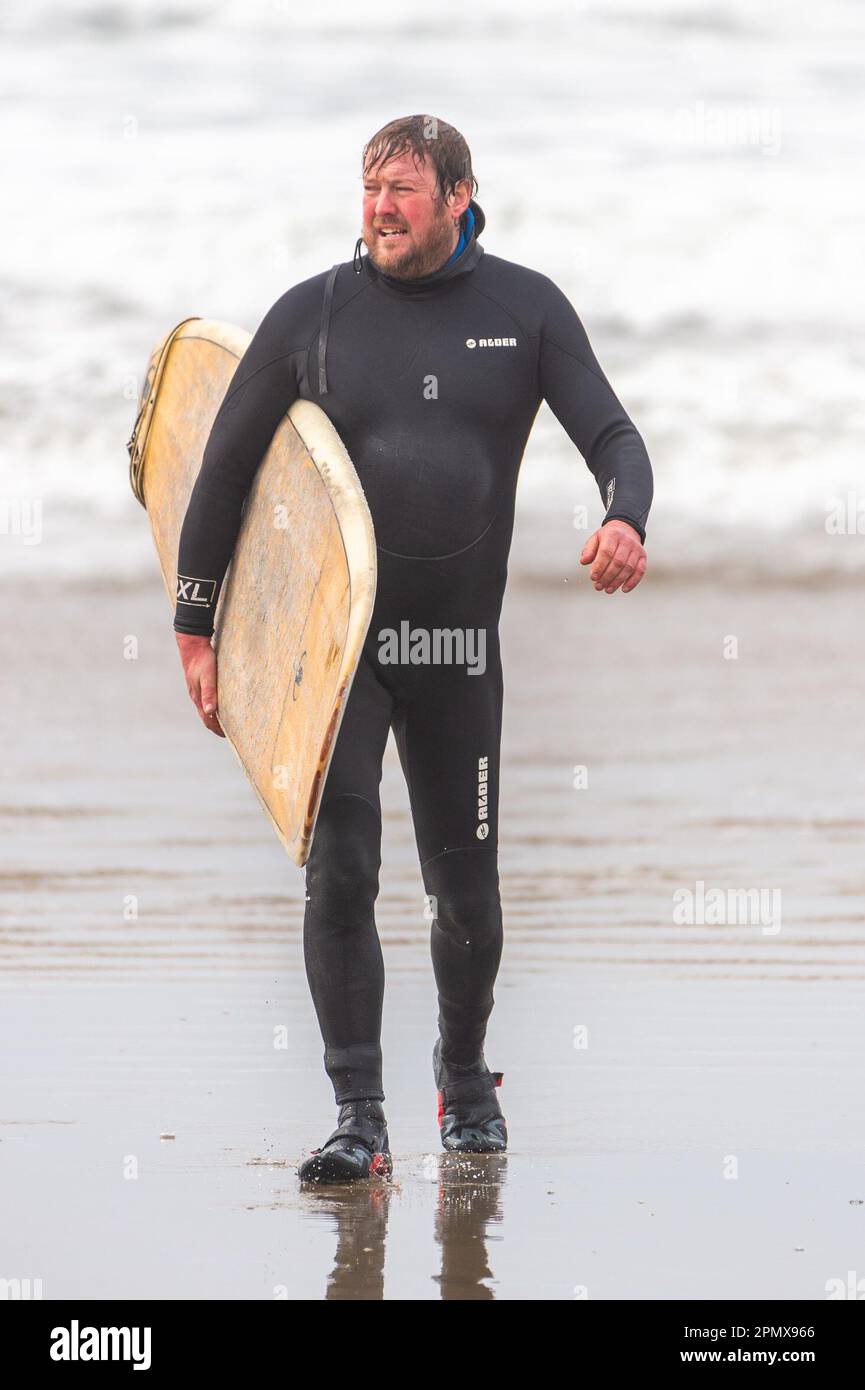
x=433, y=386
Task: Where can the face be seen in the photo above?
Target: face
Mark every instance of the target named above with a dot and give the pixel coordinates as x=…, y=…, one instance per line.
x=408, y=228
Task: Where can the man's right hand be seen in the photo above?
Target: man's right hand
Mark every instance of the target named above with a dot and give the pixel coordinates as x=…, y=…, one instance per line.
x=199, y=668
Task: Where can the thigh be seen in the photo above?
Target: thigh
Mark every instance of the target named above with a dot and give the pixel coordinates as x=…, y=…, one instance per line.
x=356, y=765
x=448, y=734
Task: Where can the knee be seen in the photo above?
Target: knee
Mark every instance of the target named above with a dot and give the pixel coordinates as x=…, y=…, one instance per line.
x=343, y=865
x=466, y=905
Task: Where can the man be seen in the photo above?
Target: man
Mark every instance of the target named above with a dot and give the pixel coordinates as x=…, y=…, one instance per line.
x=431, y=359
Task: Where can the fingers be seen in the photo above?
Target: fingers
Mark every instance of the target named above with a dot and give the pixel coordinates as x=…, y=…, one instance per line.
x=590, y=549
x=206, y=706
x=203, y=695
x=605, y=568
x=208, y=694
x=637, y=575
x=208, y=698
x=211, y=722
x=621, y=570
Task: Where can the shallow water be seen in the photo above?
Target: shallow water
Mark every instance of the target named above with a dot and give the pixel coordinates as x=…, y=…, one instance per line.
x=684, y=1101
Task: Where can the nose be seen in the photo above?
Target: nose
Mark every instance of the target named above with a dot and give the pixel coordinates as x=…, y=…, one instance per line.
x=385, y=205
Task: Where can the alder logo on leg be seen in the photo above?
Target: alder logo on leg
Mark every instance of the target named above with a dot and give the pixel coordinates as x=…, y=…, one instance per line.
x=483, y=829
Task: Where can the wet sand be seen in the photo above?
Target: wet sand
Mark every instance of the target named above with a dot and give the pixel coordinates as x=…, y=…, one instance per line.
x=152, y=978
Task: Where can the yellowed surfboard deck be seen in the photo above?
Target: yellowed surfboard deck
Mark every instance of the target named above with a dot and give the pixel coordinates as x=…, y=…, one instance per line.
x=298, y=597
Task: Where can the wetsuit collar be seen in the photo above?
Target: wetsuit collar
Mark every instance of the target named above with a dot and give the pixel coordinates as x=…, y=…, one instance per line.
x=473, y=222
x=467, y=222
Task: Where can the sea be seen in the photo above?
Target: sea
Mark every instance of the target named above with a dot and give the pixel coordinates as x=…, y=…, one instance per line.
x=690, y=174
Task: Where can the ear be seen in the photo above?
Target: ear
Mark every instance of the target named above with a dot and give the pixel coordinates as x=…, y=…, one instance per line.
x=459, y=199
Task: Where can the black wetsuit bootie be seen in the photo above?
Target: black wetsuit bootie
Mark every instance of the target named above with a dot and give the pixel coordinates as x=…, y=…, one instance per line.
x=358, y=1147
x=469, y=1115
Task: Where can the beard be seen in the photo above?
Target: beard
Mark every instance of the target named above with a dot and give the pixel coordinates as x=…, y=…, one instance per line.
x=418, y=261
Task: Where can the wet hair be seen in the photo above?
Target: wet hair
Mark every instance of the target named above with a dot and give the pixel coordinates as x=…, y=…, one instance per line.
x=427, y=139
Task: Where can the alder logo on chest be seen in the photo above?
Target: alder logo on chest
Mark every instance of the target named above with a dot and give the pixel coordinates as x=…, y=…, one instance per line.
x=491, y=342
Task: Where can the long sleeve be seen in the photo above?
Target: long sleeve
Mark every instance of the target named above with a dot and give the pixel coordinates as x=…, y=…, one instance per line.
x=261, y=391
x=585, y=404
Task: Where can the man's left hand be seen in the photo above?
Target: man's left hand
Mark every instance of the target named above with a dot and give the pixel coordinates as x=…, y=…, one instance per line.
x=617, y=557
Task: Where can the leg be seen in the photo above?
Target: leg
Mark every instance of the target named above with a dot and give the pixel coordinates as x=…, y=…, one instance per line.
x=341, y=947
x=448, y=734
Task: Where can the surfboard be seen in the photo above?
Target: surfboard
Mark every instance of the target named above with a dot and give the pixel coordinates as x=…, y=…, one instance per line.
x=298, y=596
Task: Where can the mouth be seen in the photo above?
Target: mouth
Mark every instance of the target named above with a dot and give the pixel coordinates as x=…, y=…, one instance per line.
x=390, y=233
